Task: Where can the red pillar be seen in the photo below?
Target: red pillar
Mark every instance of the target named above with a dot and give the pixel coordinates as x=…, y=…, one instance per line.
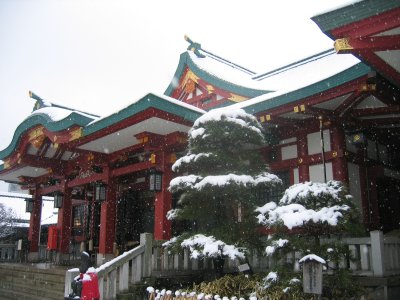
x=34, y=226
x=107, y=223
x=163, y=203
x=64, y=222
x=302, y=150
x=339, y=162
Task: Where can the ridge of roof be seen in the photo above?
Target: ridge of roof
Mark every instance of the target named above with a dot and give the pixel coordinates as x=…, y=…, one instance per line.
x=40, y=103
x=200, y=52
x=260, y=77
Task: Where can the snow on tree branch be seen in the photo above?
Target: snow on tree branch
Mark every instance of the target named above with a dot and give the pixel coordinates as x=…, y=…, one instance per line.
x=199, y=183
x=201, y=245
x=306, y=202
x=237, y=116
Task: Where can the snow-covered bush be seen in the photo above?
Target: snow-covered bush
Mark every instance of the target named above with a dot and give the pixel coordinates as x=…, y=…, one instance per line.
x=311, y=217
x=217, y=183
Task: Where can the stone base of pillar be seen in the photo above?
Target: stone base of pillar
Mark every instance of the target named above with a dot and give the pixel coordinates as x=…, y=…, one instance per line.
x=103, y=258
x=33, y=256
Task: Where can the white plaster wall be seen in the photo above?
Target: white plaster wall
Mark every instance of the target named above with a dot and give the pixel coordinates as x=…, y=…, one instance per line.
x=354, y=183
x=314, y=142
x=317, y=172
x=287, y=141
x=289, y=152
x=296, y=177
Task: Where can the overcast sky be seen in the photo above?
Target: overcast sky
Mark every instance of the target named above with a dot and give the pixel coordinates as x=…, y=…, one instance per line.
x=99, y=56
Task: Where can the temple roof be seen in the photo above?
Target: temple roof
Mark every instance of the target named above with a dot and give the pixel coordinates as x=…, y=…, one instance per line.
x=304, y=78
x=357, y=11
x=222, y=73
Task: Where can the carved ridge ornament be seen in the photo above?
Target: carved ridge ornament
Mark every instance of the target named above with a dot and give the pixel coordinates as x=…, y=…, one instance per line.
x=342, y=45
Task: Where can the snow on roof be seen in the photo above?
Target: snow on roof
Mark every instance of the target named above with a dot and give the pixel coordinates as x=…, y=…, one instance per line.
x=333, y=8
x=164, y=97
x=289, y=79
x=225, y=71
x=58, y=113
x=308, y=71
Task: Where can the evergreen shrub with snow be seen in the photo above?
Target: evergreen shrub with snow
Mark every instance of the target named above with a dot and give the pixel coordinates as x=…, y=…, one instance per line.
x=312, y=218
x=218, y=179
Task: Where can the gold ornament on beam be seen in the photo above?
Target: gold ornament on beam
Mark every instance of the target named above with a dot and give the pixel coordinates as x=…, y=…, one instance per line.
x=342, y=45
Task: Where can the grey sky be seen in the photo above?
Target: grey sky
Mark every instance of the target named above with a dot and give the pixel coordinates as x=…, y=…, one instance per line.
x=98, y=56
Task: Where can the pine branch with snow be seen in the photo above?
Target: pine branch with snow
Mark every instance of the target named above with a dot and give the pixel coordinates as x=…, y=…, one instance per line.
x=219, y=176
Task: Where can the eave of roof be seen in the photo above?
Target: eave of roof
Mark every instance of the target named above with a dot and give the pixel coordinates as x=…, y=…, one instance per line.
x=270, y=101
x=91, y=125
x=165, y=103
x=47, y=122
x=186, y=61
x=352, y=13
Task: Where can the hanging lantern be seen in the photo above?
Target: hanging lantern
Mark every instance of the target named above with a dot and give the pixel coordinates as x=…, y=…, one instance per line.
x=100, y=192
x=58, y=200
x=155, y=180
x=29, y=205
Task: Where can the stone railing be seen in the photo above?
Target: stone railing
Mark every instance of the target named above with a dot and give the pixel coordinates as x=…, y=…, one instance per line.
x=114, y=276
x=373, y=256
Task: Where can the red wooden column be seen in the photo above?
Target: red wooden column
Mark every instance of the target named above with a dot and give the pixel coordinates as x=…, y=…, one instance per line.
x=339, y=162
x=302, y=151
x=34, y=227
x=107, y=224
x=163, y=202
x=64, y=224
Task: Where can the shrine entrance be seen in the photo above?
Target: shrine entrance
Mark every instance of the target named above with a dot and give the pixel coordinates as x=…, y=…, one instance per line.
x=135, y=215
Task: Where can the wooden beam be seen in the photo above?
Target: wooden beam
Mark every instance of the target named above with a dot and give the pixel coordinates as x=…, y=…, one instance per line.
x=370, y=43
x=395, y=109
x=132, y=169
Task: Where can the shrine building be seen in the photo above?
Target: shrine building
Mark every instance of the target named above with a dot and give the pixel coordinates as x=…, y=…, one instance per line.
x=334, y=115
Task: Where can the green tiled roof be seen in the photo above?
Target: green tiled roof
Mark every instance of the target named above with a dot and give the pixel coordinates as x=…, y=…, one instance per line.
x=150, y=100
x=353, y=13
x=185, y=60
x=43, y=119
x=90, y=125
x=350, y=74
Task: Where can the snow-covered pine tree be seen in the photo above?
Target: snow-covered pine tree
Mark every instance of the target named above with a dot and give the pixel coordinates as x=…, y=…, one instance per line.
x=311, y=218
x=217, y=196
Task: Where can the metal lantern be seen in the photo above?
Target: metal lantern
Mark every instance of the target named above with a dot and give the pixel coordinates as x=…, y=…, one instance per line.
x=155, y=180
x=29, y=205
x=58, y=200
x=100, y=192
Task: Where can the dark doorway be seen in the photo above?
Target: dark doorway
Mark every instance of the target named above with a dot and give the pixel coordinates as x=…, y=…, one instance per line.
x=388, y=190
x=135, y=215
